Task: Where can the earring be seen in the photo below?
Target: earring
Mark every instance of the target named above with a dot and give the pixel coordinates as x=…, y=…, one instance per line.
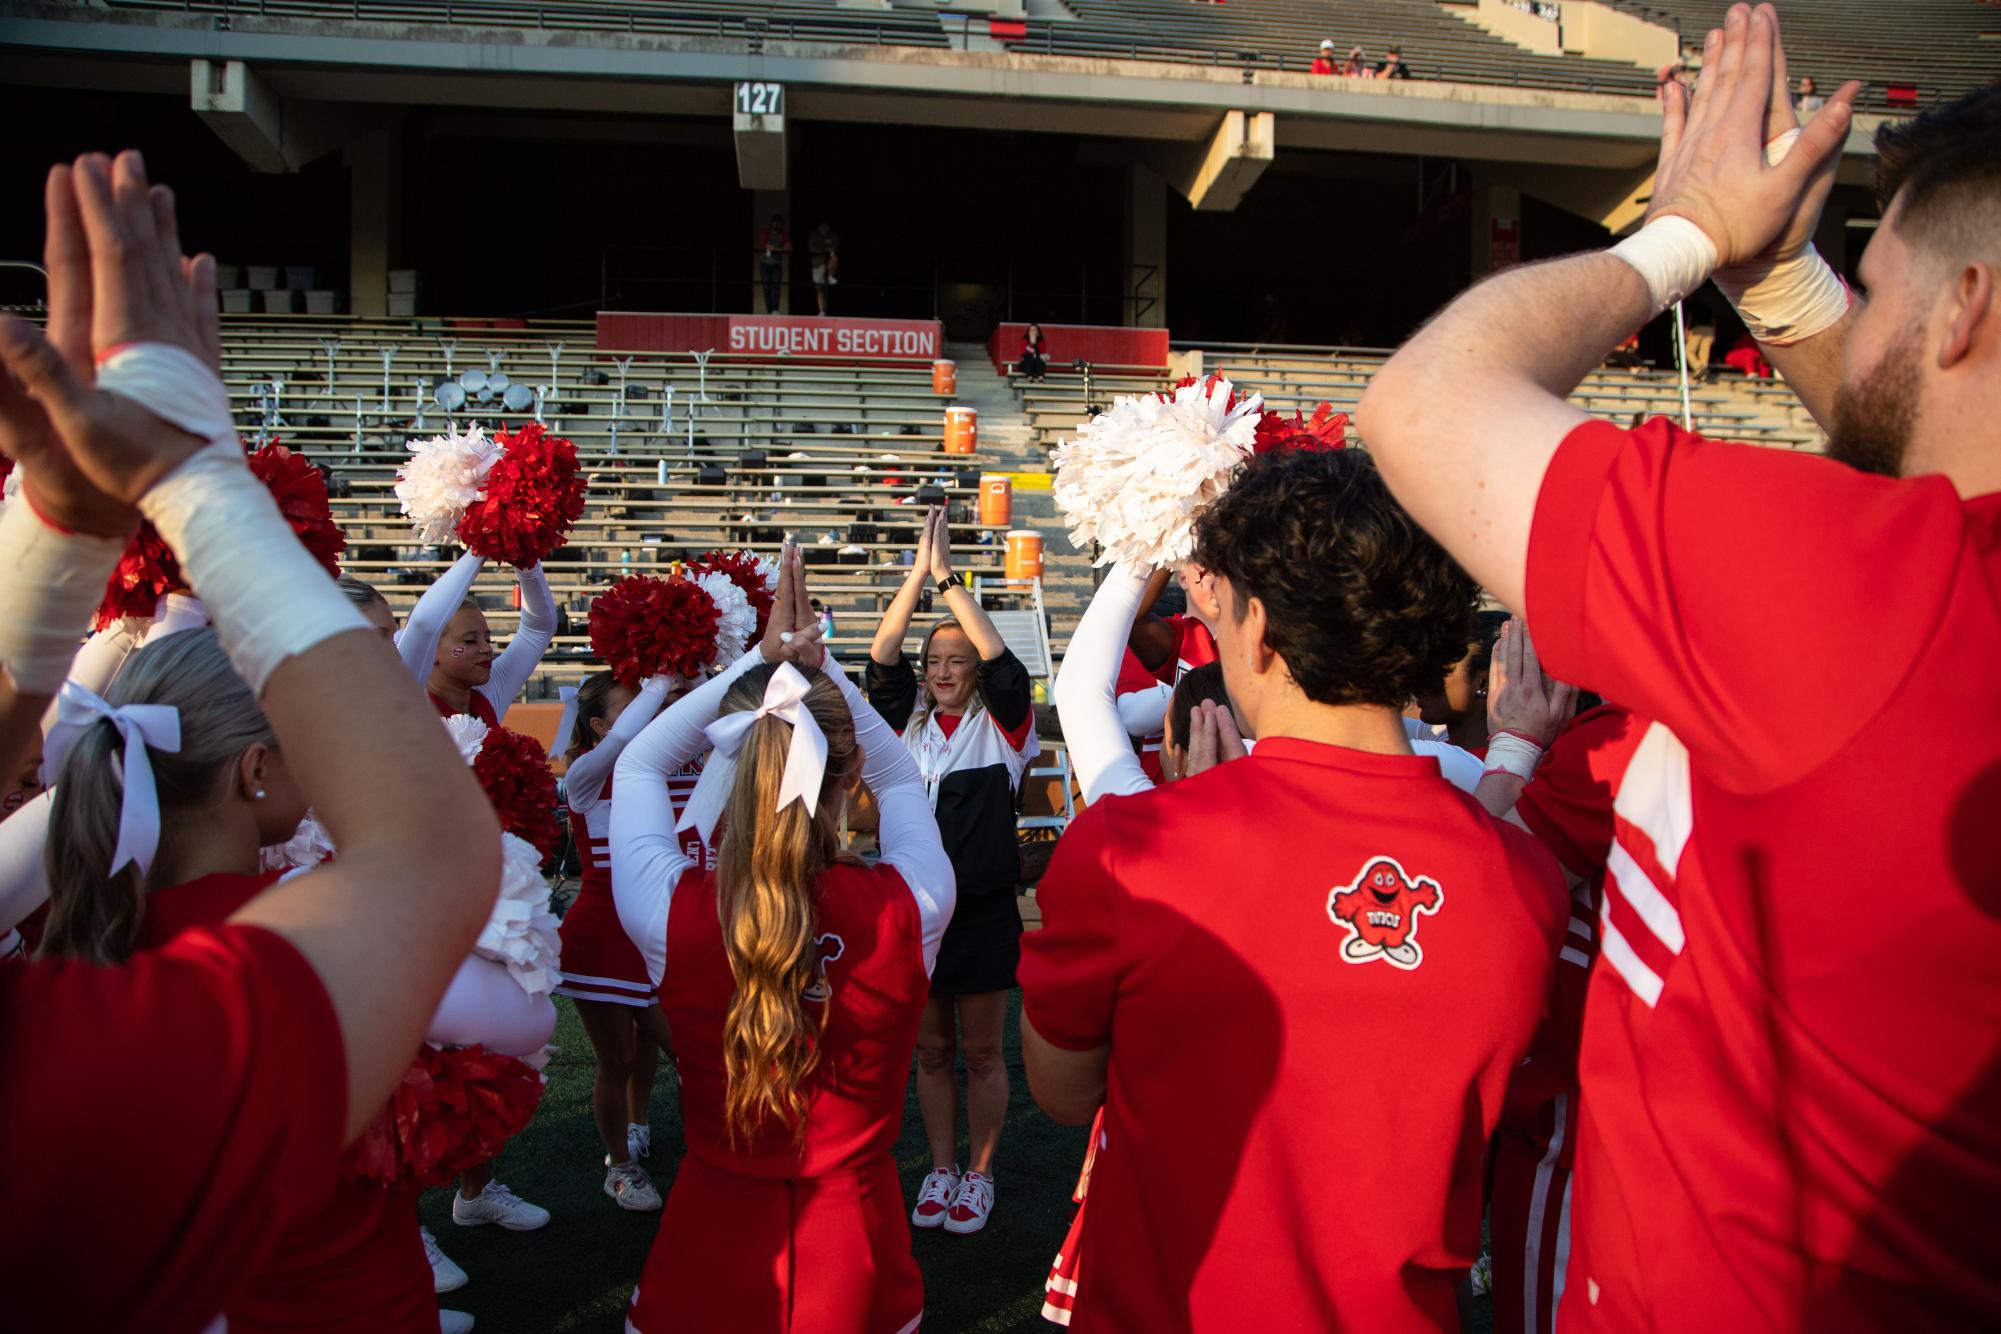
x=258, y=795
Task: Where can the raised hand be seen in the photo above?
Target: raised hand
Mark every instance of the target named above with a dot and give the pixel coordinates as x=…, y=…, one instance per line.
x=1520, y=697
x=778, y=628
x=1213, y=738
x=941, y=544
x=920, y=564
x=1712, y=167
x=805, y=646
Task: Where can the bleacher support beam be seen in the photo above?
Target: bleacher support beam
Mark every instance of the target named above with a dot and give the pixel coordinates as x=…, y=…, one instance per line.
x=245, y=114
x=1216, y=177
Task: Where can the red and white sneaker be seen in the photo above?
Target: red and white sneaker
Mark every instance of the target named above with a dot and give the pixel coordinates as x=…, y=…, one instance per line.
x=934, y=1198
x=971, y=1205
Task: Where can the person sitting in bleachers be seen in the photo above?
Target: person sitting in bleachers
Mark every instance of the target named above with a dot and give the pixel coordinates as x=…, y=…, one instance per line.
x=1357, y=66
x=1393, y=67
x=1324, y=62
x=1033, y=362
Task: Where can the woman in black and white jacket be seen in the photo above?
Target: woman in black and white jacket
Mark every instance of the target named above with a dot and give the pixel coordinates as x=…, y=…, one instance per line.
x=970, y=724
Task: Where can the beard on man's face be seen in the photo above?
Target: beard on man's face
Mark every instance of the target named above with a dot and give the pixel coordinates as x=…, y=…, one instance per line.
x=1875, y=416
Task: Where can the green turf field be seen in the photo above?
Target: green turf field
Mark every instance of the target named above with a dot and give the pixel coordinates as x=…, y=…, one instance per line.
x=575, y=1274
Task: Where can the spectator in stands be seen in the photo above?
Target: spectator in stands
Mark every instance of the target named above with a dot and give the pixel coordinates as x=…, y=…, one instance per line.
x=1324, y=62
x=1808, y=100
x=825, y=248
x=774, y=244
x=1393, y=67
x=825, y=615
x=1699, y=340
x=1033, y=362
x=1357, y=65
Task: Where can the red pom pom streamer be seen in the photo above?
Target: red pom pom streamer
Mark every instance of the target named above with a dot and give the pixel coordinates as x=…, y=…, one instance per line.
x=744, y=571
x=515, y=773
x=1325, y=430
x=301, y=492
x=533, y=495
x=453, y=1109
x=6, y=469
x=145, y=573
x=643, y=626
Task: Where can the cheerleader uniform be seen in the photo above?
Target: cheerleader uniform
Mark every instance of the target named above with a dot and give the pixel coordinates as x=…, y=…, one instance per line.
x=599, y=962
x=971, y=767
x=765, y=1236
x=417, y=643
x=354, y=1260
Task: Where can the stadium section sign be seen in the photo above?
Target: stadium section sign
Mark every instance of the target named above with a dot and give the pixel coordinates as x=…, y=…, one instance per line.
x=772, y=336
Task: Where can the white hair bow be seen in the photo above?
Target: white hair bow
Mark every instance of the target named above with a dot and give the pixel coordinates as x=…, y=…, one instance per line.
x=142, y=725
x=805, y=759
x=566, y=723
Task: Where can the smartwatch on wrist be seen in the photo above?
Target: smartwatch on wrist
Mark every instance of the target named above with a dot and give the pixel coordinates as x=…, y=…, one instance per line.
x=950, y=582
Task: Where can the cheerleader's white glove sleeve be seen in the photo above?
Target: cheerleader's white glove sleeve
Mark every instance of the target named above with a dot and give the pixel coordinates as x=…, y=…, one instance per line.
x=50, y=584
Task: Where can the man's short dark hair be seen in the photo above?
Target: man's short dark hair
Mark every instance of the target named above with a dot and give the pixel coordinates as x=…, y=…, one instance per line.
x=1947, y=166
x=1197, y=685
x=1362, y=604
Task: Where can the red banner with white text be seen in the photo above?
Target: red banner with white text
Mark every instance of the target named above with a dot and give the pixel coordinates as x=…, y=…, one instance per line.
x=772, y=336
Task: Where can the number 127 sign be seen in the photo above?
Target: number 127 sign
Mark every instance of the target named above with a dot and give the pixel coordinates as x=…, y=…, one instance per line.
x=760, y=99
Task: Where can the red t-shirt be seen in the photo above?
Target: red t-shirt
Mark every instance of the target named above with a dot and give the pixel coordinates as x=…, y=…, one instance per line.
x=1295, y=1114
x=353, y=1259
x=1798, y=1122
x=224, y=1050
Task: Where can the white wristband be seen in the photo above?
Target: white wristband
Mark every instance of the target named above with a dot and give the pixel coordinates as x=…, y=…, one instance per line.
x=50, y=584
x=270, y=599
x=1673, y=257
x=1783, y=304
x=1513, y=753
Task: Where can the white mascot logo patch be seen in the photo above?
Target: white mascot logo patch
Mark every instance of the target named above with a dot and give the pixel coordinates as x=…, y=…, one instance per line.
x=831, y=947
x=1379, y=909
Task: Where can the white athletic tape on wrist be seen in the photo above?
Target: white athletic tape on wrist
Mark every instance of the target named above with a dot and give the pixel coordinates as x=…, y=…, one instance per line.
x=1673, y=257
x=173, y=384
x=50, y=583
x=1513, y=753
x=271, y=600
x=1783, y=304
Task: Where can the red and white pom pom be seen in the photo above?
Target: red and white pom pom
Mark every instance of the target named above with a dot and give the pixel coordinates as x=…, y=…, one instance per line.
x=646, y=626
x=735, y=621
x=515, y=774
x=1134, y=479
x=308, y=847
x=521, y=931
x=300, y=489
x=468, y=734
x=1324, y=431
x=533, y=496
x=444, y=476
x=453, y=1109
x=756, y=575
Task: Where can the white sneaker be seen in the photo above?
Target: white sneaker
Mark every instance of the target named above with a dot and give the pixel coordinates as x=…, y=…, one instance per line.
x=454, y=1322
x=445, y=1276
x=632, y=1188
x=638, y=1140
x=971, y=1205
x=498, y=1204
x=934, y=1198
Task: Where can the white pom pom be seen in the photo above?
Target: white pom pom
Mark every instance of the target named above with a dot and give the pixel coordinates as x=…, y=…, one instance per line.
x=468, y=734
x=521, y=932
x=307, y=848
x=736, y=620
x=445, y=474
x=767, y=570
x=1135, y=478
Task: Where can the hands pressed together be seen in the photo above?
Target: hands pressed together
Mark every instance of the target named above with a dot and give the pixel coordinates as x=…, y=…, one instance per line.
x=793, y=633
x=1521, y=697
x=116, y=276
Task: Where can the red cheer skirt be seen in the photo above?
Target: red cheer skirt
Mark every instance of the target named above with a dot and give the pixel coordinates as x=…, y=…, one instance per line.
x=600, y=962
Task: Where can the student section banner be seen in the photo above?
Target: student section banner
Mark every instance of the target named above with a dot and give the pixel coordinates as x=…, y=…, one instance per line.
x=801, y=336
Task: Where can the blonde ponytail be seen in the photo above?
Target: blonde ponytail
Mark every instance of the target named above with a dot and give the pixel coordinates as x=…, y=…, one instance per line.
x=768, y=866
x=94, y=916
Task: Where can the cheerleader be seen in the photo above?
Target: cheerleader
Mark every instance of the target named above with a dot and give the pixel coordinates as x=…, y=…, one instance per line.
x=447, y=646
x=602, y=971
x=357, y=1263
x=970, y=726
x=798, y=980
x=261, y=1045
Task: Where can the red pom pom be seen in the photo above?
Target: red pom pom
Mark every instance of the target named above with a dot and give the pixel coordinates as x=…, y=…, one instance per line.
x=6, y=469
x=1325, y=430
x=1208, y=388
x=643, y=626
x=533, y=495
x=515, y=773
x=301, y=492
x=454, y=1109
x=146, y=572
x=747, y=573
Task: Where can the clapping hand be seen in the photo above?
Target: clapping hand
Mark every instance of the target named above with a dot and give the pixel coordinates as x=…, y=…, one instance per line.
x=116, y=276
x=1213, y=738
x=793, y=632
x=937, y=546
x=1521, y=697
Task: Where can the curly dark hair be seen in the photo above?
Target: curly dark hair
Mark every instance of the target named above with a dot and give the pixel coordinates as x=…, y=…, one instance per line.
x=1360, y=602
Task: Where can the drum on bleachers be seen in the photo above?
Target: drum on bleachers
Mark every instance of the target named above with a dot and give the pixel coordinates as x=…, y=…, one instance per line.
x=962, y=430
x=1024, y=554
x=996, y=499
x=944, y=377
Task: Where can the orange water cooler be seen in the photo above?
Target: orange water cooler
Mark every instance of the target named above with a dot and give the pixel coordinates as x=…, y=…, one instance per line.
x=996, y=500
x=1024, y=554
x=944, y=377
x=962, y=430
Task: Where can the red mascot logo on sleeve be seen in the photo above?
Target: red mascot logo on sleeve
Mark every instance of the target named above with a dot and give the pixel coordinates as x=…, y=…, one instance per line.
x=1379, y=909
